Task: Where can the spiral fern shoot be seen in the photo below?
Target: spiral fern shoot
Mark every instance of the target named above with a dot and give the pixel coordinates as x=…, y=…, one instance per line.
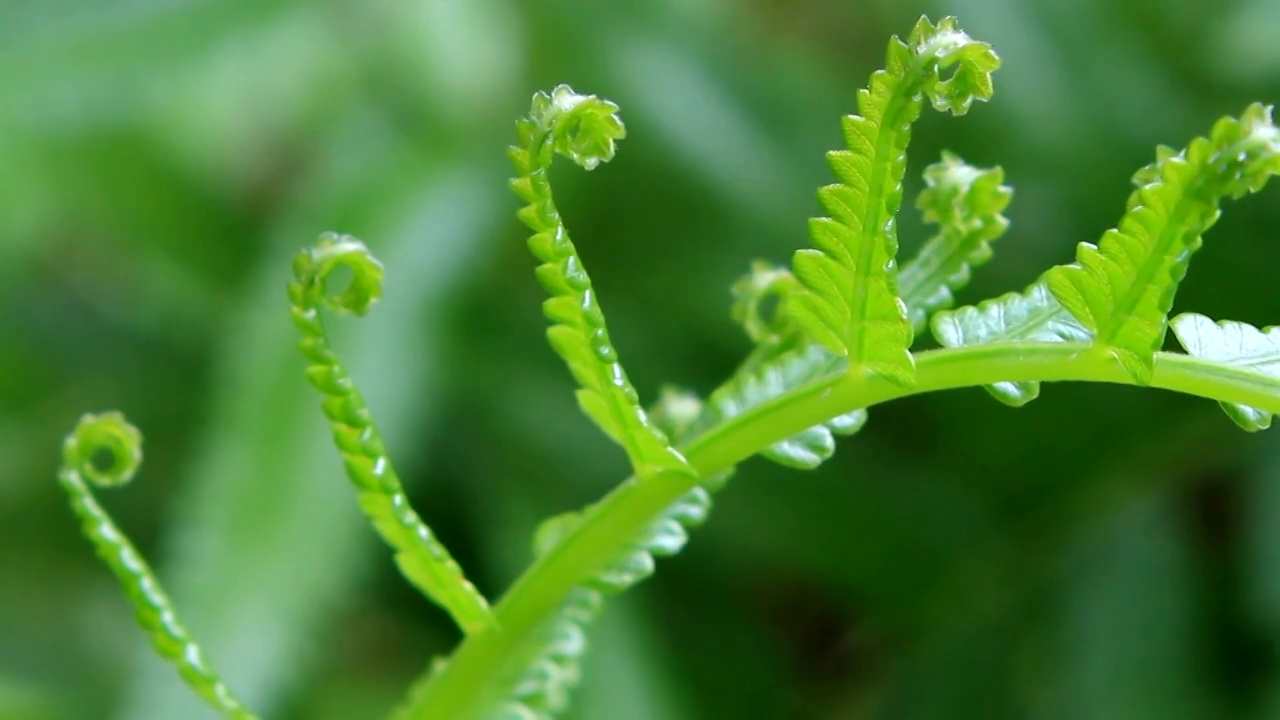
x=966, y=203
x=1237, y=344
x=105, y=450
x=584, y=129
x=421, y=557
x=851, y=304
x=1122, y=288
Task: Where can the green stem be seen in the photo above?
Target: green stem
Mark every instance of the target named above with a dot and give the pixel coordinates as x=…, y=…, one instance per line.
x=466, y=679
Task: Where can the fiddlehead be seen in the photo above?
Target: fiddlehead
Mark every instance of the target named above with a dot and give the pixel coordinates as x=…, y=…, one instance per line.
x=584, y=129
x=105, y=450
x=966, y=203
x=421, y=557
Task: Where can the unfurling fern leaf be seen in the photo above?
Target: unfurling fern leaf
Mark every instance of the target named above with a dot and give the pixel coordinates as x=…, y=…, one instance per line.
x=421, y=557
x=1233, y=343
x=851, y=304
x=1030, y=316
x=1122, y=288
x=966, y=203
x=105, y=450
x=584, y=129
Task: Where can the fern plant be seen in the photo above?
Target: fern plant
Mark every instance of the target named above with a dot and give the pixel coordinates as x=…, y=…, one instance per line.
x=833, y=335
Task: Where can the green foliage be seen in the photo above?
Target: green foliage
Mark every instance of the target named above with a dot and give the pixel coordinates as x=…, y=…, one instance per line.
x=831, y=338
x=584, y=129
x=1122, y=288
x=1237, y=344
x=422, y=559
x=851, y=303
x=966, y=203
x=105, y=450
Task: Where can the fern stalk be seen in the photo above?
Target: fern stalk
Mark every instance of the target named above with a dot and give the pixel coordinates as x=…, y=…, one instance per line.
x=105, y=450
x=458, y=687
x=421, y=557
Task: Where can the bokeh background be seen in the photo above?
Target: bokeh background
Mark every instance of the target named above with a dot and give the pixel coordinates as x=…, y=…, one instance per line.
x=1101, y=553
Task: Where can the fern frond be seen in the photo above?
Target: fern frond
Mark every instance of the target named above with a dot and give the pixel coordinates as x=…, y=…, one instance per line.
x=851, y=304
x=966, y=203
x=105, y=450
x=584, y=129
x=1033, y=315
x=421, y=557
x=1122, y=288
x=1237, y=344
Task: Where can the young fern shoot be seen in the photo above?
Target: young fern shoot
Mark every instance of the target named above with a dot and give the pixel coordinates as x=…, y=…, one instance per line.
x=851, y=304
x=105, y=450
x=1122, y=288
x=584, y=129
x=421, y=557
x=966, y=203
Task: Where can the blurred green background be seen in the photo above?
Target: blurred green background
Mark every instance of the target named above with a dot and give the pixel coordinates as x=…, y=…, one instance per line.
x=1101, y=553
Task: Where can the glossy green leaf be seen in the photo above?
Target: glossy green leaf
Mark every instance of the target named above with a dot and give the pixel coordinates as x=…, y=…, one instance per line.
x=585, y=129
x=851, y=304
x=1122, y=288
x=1237, y=344
x=966, y=203
x=105, y=450
x=421, y=557
x=1030, y=316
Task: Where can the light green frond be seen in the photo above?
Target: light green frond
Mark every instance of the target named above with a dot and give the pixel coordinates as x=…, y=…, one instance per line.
x=851, y=304
x=105, y=450
x=585, y=129
x=421, y=557
x=966, y=203
x=1123, y=288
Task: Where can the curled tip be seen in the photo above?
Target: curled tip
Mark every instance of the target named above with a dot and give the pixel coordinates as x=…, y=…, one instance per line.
x=583, y=128
x=751, y=294
x=971, y=63
x=104, y=448
x=313, y=267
